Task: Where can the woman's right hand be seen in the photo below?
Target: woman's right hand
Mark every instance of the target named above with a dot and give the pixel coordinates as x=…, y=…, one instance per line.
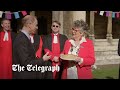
x=61, y=55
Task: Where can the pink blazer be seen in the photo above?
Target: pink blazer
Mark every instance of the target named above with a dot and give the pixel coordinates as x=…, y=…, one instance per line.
x=86, y=52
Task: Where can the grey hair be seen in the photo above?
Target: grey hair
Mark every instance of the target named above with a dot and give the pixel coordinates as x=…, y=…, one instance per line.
x=83, y=26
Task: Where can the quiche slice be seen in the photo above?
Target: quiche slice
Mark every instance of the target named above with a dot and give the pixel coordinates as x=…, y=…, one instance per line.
x=68, y=57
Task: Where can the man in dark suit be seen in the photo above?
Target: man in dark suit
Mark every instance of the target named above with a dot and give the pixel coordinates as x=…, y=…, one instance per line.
x=38, y=44
x=25, y=63
x=6, y=40
x=119, y=55
x=54, y=44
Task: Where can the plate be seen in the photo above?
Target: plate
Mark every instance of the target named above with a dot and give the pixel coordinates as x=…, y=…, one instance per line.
x=70, y=57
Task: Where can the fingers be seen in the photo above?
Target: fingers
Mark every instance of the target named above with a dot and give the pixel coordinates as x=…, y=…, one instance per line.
x=47, y=53
x=61, y=55
x=49, y=56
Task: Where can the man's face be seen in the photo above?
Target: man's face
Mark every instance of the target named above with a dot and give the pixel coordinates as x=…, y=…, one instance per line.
x=33, y=27
x=55, y=27
x=6, y=25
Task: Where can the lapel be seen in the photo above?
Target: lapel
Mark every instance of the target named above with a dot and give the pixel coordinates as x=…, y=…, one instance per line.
x=12, y=36
x=50, y=41
x=36, y=42
x=61, y=42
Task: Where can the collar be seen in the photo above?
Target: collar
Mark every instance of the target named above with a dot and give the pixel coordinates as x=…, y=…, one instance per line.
x=57, y=34
x=83, y=39
x=26, y=33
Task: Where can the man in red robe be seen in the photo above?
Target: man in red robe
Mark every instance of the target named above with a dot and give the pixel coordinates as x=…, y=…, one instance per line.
x=6, y=39
x=54, y=44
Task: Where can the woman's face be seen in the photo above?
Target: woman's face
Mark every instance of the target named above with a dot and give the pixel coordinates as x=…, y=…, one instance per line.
x=76, y=34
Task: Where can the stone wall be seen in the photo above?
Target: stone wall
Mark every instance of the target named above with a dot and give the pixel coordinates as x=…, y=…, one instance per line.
x=106, y=53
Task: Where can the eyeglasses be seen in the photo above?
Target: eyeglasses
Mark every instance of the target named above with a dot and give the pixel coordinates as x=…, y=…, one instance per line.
x=55, y=26
x=76, y=30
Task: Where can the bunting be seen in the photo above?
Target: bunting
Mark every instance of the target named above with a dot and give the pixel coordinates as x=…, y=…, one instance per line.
x=9, y=14
x=107, y=13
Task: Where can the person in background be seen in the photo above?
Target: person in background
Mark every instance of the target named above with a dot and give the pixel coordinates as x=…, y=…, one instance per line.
x=6, y=40
x=54, y=44
x=83, y=48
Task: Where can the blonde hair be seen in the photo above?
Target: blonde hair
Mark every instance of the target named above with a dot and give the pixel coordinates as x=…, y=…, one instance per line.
x=28, y=19
x=57, y=22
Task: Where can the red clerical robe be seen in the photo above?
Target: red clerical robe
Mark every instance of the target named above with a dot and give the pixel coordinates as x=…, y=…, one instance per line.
x=55, y=52
x=5, y=57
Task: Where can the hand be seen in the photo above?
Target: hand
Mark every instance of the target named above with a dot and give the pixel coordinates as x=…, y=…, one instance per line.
x=79, y=60
x=56, y=59
x=61, y=55
x=46, y=57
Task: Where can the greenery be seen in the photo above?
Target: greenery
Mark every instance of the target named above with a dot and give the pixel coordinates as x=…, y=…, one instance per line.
x=106, y=72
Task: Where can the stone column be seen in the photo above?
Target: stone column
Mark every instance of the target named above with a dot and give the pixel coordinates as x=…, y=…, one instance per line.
x=61, y=21
x=77, y=15
x=109, y=28
x=92, y=18
x=55, y=15
x=32, y=13
x=58, y=15
x=67, y=23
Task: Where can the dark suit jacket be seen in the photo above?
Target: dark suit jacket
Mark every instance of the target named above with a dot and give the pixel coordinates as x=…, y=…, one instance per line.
x=24, y=54
x=48, y=44
x=119, y=55
x=13, y=36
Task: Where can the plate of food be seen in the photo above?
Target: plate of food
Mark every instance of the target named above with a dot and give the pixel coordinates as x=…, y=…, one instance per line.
x=70, y=57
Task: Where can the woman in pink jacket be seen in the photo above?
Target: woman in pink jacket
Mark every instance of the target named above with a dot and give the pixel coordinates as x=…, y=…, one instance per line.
x=81, y=46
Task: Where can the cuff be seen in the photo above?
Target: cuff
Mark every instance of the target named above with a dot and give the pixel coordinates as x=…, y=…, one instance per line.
x=81, y=61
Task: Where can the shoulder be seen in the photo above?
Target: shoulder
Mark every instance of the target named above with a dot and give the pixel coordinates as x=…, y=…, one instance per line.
x=48, y=36
x=20, y=36
x=14, y=34
x=68, y=41
x=63, y=36
x=88, y=40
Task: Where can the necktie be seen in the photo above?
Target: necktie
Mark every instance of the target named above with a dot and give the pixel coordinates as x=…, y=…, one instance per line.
x=55, y=39
x=6, y=36
x=31, y=39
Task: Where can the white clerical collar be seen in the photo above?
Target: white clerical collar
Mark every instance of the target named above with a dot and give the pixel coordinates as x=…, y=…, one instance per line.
x=55, y=40
x=6, y=38
x=55, y=34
